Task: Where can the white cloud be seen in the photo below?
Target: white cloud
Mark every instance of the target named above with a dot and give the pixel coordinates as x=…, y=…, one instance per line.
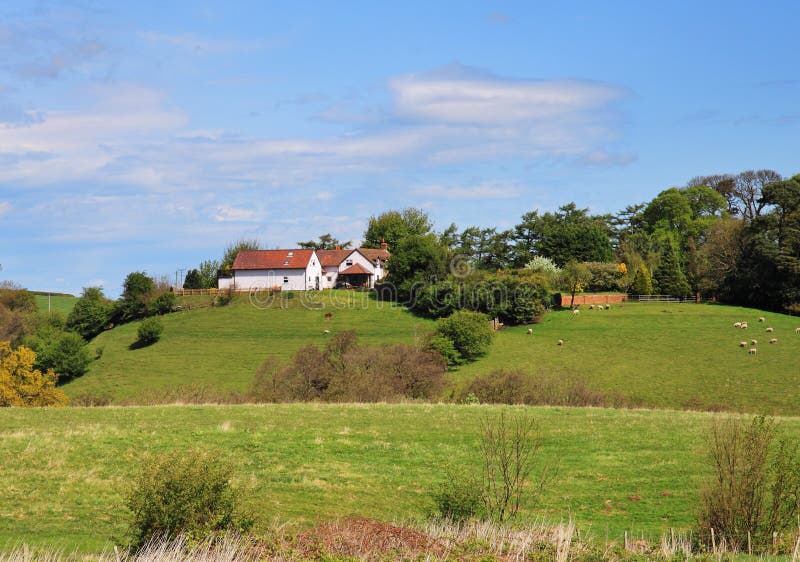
x=226, y=213
x=480, y=191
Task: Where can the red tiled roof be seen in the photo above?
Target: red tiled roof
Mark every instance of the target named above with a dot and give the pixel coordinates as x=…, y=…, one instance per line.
x=357, y=269
x=272, y=259
x=329, y=258
x=373, y=254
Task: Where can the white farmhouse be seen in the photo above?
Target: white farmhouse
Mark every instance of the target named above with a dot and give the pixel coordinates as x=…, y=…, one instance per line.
x=303, y=270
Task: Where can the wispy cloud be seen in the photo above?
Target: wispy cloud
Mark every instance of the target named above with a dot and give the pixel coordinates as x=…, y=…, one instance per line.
x=5, y=207
x=226, y=213
x=479, y=191
x=200, y=45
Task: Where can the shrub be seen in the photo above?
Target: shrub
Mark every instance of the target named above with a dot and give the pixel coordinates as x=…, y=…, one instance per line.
x=444, y=346
x=162, y=304
x=470, y=333
x=459, y=497
x=642, y=282
x=754, y=490
x=605, y=277
x=67, y=355
x=23, y=385
x=182, y=492
x=149, y=331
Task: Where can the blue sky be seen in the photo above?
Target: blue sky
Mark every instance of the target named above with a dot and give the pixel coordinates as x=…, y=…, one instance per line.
x=135, y=136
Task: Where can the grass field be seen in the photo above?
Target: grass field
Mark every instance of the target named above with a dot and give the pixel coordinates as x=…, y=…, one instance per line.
x=57, y=303
x=221, y=347
x=62, y=471
x=663, y=355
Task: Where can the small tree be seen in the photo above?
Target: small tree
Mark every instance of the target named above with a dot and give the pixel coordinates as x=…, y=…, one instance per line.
x=149, y=331
x=193, y=280
x=208, y=274
x=91, y=313
x=642, y=284
x=470, y=333
x=574, y=278
x=668, y=275
x=23, y=385
x=67, y=355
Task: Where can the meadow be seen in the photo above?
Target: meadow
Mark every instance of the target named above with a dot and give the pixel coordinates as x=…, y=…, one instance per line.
x=662, y=355
x=63, y=471
x=56, y=303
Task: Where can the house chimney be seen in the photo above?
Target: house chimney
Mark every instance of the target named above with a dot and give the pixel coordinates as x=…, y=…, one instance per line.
x=384, y=245
x=338, y=247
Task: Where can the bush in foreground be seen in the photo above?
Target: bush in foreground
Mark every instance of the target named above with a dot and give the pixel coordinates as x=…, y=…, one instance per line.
x=470, y=333
x=187, y=493
x=23, y=385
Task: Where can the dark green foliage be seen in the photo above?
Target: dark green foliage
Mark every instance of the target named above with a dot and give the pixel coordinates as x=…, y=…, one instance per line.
x=524, y=300
x=668, y=276
x=208, y=274
x=149, y=331
x=642, y=283
x=325, y=242
x=417, y=260
x=136, y=291
x=67, y=354
x=470, y=333
x=606, y=276
x=754, y=490
x=193, y=280
x=444, y=346
x=186, y=492
x=162, y=304
x=91, y=313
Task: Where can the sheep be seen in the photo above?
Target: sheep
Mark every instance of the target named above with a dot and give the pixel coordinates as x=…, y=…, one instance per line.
x=742, y=344
x=762, y=319
x=326, y=331
x=797, y=330
x=752, y=351
x=773, y=340
x=599, y=307
x=591, y=307
x=753, y=342
x=737, y=325
x=576, y=312
x=743, y=326
x=769, y=330
x=560, y=342
x=608, y=306
x=530, y=331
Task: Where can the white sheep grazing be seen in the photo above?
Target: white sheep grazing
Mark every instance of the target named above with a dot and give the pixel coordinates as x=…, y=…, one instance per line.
x=608, y=306
x=576, y=312
x=560, y=342
x=742, y=344
x=326, y=331
x=773, y=340
x=599, y=307
x=752, y=351
x=797, y=330
x=762, y=319
x=591, y=307
x=737, y=325
x=743, y=326
x=769, y=330
x=753, y=342
x=530, y=331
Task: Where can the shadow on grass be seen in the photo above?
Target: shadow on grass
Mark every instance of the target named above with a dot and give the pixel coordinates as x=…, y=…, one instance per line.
x=139, y=344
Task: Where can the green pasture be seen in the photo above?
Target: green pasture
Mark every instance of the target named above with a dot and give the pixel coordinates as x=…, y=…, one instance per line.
x=57, y=303
x=63, y=471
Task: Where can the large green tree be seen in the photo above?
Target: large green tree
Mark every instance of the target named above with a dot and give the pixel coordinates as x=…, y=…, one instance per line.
x=668, y=276
x=418, y=260
x=91, y=313
x=325, y=242
x=393, y=226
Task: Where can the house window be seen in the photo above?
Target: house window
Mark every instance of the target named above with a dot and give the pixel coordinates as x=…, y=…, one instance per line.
x=290, y=254
x=285, y=279
x=348, y=263
x=329, y=278
x=286, y=262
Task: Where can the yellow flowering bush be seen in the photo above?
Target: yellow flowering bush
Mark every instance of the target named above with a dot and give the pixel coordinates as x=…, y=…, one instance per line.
x=21, y=384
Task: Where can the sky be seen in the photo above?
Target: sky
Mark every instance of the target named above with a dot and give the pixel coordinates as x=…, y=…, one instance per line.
x=146, y=136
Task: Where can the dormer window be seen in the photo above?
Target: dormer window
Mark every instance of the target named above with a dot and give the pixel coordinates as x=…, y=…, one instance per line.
x=348, y=263
x=290, y=254
x=286, y=262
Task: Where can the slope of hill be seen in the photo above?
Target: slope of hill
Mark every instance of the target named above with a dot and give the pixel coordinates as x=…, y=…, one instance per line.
x=635, y=471
x=221, y=347
x=58, y=303
x=663, y=355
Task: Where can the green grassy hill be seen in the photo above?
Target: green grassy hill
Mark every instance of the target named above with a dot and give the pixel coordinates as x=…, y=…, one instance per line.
x=222, y=347
x=663, y=355
x=63, y=471
x=57, y=303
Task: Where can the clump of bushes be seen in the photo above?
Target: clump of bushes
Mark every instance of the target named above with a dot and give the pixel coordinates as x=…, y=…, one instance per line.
x=21, y=384
x=149, y=331
x=754, y=490
x=346, y=371
x=470, y=334
x=187, y=493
